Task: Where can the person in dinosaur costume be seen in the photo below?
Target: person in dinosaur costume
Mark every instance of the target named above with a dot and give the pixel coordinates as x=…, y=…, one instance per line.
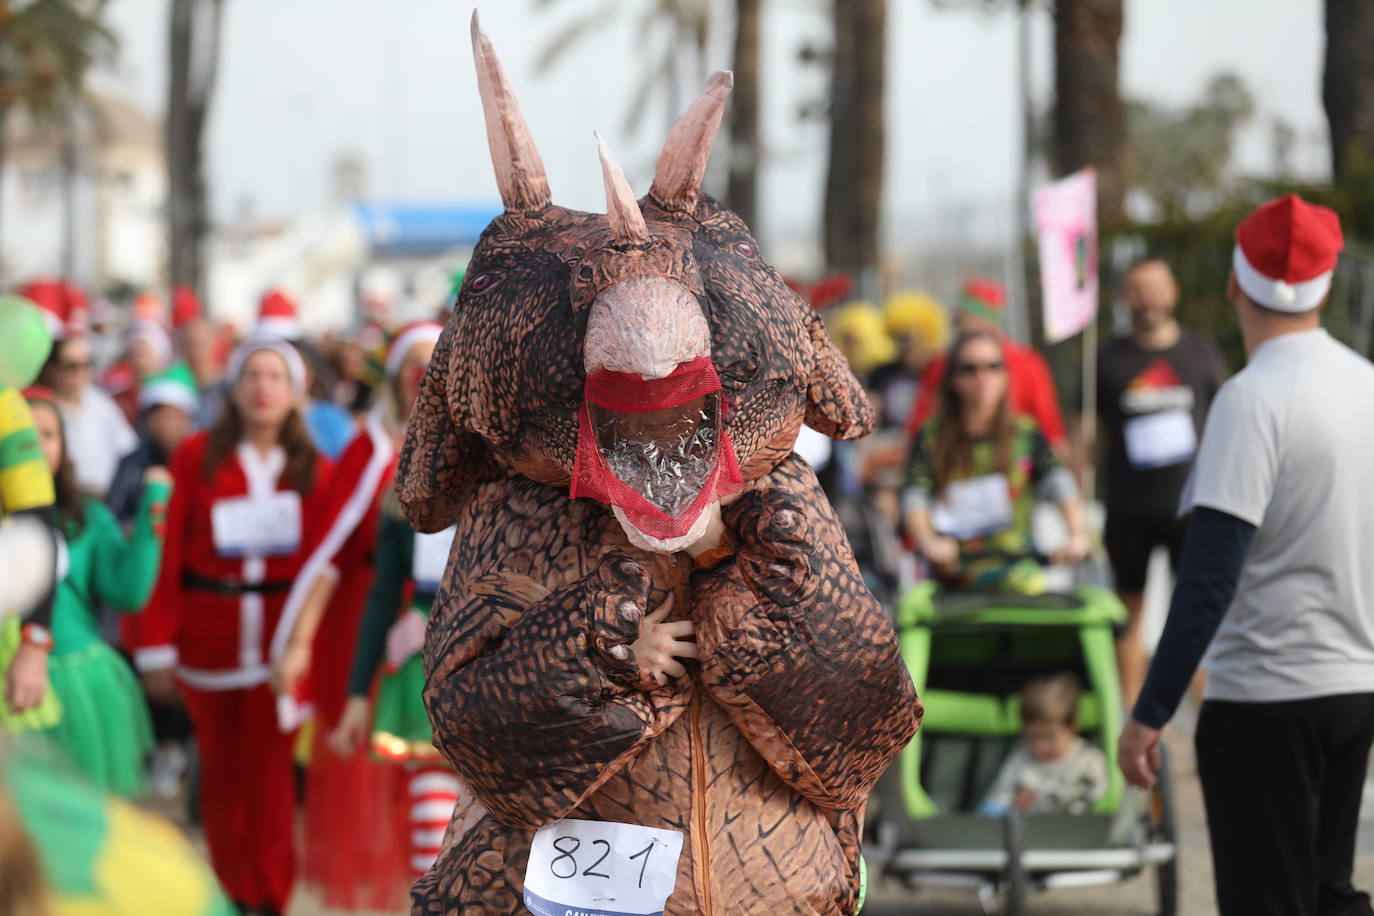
x=650, y=359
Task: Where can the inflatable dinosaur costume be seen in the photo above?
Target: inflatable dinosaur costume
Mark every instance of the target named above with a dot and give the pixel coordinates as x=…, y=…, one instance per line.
x=650, y=359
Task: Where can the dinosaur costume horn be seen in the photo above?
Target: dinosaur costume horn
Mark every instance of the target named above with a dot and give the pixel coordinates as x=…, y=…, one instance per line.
x=681, y=165
x=519, y=170
x=627, y=222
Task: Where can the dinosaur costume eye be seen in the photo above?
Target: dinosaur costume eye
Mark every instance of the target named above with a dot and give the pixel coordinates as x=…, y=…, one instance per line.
x=483, y=282
x=746, y=249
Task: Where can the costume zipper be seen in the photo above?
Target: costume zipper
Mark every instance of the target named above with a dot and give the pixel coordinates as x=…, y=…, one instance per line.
x=701, y=852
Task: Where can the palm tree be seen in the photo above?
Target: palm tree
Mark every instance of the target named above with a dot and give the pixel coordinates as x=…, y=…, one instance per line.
x=666, y=32
x=193, y=44
x=46, y=49
x=742, y=194
x=1348, y=81
x=854, y=174
x=1089, y=119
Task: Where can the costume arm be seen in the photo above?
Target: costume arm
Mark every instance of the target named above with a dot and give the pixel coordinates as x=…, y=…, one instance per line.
x=395, y=545
x=125, y=571
x=797, y=651
x=439, y=463
x=530, y=697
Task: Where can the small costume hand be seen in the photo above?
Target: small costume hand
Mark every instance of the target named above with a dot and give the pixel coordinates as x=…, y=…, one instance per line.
x=288, y=670
x=405, y=638
x=348, y=735
x=661, y=644
x=774, y=544
x=27, y=680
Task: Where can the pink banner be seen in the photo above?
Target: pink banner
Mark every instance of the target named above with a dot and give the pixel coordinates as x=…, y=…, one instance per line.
x=1066, y=222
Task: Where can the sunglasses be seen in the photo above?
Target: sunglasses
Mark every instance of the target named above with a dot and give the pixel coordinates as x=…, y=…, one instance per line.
x=76, y=367
x=975, y=368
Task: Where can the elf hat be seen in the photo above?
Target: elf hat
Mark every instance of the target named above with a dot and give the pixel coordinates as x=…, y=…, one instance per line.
x=412, y=334
x=1286, y=253
x=984, y=298
x=277, y=316
x=175, y=387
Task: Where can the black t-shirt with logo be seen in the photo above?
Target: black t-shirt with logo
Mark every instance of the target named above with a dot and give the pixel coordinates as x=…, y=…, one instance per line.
x=1153, y=404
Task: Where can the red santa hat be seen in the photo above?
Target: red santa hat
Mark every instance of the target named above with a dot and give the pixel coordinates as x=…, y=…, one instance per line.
x=185, y=307
x=278, y=316
x=1286, y=253
x=63, y=305
x=410, y=335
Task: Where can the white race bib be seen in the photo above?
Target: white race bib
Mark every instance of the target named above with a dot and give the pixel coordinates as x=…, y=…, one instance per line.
x=972, y=508
x=264, y=527
x=1158, y=440
x=430, y=558
x=599, y=868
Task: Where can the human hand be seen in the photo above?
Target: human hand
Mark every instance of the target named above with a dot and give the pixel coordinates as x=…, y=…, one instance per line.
x=161, y=686
x=156, y=474
x=1073, y=551
x=1024, y=799
x=941, y=551
x=661, y=644
x=27, y=679
x=1137, y=753
x=288, y=670
x=348, y=735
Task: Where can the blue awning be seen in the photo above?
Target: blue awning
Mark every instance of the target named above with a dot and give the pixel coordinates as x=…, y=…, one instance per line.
x=393, y=228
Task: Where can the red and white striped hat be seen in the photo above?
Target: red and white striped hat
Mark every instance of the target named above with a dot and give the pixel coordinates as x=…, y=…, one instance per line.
x=409, y=336
x=1286, y=254
x=278, y=316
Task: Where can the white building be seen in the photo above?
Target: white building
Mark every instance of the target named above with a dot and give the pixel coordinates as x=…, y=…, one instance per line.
x=108, y=228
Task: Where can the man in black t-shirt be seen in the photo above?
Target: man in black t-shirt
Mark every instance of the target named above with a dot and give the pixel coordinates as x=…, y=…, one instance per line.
x=1153, y=390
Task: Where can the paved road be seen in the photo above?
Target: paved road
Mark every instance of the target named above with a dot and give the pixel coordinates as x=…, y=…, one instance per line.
x=1132, y=898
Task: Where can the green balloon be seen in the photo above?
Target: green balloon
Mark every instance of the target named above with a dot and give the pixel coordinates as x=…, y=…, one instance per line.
x=25, y=341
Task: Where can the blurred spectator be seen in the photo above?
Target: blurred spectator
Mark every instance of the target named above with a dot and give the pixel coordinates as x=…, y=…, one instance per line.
x=148, y=351
x=982, y=307
x=917, y=323
x=169, y=404
x=861, y=335
x=97, y=433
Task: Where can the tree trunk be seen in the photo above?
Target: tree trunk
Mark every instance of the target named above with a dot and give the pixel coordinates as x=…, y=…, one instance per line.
x=68, y=172
x=854, y=180
x=1089, y=119
x=1348, y=80
x=744, y=114
x=194, y=51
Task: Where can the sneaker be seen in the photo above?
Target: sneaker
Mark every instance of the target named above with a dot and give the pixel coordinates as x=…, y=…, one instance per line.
x=167, y=771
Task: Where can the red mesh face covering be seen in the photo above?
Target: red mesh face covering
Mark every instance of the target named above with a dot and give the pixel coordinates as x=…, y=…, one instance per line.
x=656, y=449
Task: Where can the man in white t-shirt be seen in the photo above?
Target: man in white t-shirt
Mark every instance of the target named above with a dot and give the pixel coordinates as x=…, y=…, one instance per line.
x=1277, y=575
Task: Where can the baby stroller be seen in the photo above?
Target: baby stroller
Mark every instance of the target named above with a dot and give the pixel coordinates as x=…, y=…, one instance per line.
x=969, y=654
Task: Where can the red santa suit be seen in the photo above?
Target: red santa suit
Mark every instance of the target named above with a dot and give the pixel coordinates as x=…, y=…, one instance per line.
x=354, y=828
x=234, y=546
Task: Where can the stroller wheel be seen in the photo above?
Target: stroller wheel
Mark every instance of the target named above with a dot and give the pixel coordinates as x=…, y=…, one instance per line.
x=1015, y=880
x=1163, y=829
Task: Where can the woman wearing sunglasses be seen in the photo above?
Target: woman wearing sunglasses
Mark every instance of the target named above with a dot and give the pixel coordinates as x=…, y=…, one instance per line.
x=974, y=475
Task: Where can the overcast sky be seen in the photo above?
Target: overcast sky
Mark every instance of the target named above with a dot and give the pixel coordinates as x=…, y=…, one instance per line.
x=302, y=81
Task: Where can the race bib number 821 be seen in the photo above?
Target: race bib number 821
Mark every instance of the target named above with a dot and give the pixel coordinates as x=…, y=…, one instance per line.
x=600, y=868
